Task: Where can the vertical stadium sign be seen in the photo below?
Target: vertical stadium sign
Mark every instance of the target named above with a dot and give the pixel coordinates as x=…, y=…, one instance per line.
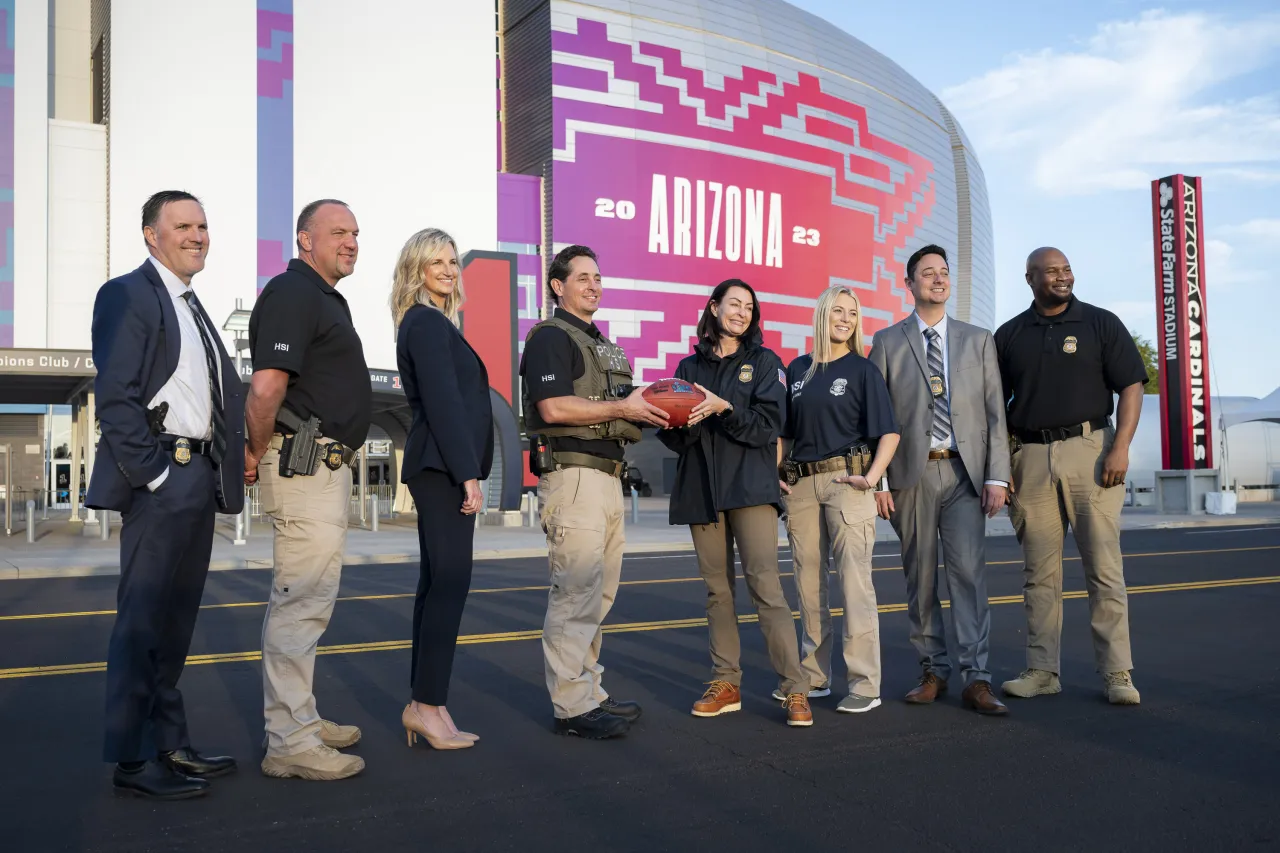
x=1183, y=348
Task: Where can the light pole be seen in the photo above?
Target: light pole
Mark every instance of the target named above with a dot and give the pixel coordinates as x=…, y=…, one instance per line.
x=238, y=325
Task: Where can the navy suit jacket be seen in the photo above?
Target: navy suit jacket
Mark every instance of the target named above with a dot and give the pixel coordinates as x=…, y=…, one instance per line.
x=447, y=386
x=132, y=315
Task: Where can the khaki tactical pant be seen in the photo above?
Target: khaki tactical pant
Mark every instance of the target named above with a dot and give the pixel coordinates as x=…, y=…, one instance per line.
x=310, y=519
x=582, y=515
x=755, y=530
x=1055, y=486
x=827, y=520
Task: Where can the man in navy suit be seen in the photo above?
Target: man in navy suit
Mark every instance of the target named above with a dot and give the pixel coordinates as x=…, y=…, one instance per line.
x=171, y=409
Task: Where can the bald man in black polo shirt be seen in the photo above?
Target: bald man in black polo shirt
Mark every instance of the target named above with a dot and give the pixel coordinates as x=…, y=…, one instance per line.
x=1061, y=361
x=308, y=361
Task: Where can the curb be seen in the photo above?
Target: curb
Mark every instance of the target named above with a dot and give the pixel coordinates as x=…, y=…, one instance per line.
x=8, y=571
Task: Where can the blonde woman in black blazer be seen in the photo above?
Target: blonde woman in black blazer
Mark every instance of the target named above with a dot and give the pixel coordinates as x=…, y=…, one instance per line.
x=448, y=453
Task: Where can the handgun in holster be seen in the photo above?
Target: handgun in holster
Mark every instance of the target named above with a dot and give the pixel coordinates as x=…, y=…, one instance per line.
x=155, y=418
x=299, y=448
x=540, y=461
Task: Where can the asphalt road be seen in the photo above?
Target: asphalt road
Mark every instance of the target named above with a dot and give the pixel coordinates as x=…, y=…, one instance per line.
x=1193, y=768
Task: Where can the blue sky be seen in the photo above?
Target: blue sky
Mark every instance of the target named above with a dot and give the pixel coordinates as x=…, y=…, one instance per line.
x=1074, y=108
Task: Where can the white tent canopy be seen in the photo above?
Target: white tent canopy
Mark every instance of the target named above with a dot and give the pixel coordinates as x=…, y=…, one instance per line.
x=1266, y=409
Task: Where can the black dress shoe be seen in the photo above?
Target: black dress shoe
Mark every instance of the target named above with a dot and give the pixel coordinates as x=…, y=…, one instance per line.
x=158, y=781
x=629, y=711
x=188, y=762
x=596, y=724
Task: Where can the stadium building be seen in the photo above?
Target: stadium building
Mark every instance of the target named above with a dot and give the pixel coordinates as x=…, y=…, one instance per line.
x=686, y=142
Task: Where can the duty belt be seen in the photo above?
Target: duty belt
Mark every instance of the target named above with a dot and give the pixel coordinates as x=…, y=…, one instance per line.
x=851, y=463
x=184, y=448
x=348, y=455
x=586, y=460
x=1048, y=436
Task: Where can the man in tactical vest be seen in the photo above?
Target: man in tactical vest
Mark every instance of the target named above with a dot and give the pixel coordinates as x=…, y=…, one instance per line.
x=580, y=410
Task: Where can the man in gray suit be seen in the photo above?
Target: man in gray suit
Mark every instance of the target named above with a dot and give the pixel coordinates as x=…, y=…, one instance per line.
x=951, y=468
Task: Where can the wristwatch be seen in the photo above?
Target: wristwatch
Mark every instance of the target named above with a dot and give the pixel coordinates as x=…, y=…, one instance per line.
x=727, y=410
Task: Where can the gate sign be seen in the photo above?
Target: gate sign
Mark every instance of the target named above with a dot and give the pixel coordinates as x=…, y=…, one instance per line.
x=1183, y=347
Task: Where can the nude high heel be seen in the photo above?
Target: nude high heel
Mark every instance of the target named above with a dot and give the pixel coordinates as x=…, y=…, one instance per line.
x=448, y=718
x=413, y=727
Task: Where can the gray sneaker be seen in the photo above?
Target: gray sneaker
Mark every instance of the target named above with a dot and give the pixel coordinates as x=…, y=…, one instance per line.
x=1120, y=689
x=1032, y=682
x=320, y=764
x=815, y=693
x=855, y=704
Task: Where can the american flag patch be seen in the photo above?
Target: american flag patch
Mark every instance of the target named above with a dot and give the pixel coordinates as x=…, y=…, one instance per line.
x=782, y=377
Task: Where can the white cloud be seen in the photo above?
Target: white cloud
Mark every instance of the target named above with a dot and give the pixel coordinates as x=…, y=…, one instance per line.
x=1139, y=316
x=1235, y=254
x=1136, y=100
x=1254, y=229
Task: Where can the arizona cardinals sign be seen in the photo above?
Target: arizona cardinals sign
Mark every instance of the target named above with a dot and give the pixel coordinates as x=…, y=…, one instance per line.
x=1182, y=342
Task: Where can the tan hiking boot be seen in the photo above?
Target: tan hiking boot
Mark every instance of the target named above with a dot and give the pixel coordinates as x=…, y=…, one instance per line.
x=335, y=736
x=1120, y=689
x=319, y=764
x=798, y=711
x=1032, y=682
x=721, y=698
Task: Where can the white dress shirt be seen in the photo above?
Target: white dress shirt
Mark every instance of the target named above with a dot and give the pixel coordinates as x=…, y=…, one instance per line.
x=187, y=390
x=948, y=443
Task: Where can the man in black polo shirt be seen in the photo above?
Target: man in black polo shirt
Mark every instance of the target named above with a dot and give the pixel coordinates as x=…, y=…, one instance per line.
x=1061, y=361
x=307, y=361
x=579, y=413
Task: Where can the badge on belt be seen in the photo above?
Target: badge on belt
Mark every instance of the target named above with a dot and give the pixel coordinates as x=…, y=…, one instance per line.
x=333, y=456
x=182, y=451
x=937, y=386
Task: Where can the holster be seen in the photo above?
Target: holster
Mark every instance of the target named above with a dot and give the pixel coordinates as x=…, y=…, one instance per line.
x=300, y=449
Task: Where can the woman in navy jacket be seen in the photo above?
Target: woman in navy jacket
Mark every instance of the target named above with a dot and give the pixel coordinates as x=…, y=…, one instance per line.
x=726, y=490
x=448, y=452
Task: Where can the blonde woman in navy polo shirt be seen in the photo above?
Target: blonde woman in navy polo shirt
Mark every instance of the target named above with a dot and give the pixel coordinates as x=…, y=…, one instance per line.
x=839, y=436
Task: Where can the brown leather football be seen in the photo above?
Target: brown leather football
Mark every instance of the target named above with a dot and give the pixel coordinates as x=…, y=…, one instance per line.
x=676, y=397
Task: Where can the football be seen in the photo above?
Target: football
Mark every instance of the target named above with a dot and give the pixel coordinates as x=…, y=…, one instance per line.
x=676, y=397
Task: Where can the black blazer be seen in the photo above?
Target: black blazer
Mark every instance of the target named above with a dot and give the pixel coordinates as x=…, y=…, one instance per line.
x=447, y=387
x=131, y=315
x=729, y=461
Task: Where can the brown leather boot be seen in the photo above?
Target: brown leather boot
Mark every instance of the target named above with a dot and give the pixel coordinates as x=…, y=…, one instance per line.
x=978, y=697
x=721, y=698
x=929, y=689
x=798, y=711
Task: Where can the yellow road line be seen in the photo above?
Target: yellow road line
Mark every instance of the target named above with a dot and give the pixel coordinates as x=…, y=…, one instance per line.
x=654, y=581
x=620, y=628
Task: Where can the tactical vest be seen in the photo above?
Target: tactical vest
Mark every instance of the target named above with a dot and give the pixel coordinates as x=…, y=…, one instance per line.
x=606, y=368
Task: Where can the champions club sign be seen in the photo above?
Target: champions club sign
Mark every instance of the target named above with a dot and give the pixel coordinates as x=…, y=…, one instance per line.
x=1183, y=346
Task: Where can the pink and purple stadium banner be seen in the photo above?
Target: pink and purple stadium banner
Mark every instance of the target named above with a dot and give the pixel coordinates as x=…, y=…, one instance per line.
x=681, y=181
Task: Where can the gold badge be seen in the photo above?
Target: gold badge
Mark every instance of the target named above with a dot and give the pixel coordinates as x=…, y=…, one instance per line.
x=1069, y=344
x=936, y=385
x=744, y=375
x=333, y=456
x=182, y=451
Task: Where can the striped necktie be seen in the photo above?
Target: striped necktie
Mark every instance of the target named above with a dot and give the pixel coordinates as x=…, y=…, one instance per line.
x=218, y=447
x=942, y=408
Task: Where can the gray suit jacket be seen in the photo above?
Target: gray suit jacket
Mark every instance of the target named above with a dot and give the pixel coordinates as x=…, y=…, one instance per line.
x=977, y=400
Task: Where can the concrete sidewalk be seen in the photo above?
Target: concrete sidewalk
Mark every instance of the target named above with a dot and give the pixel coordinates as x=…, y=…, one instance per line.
x=62, y=549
